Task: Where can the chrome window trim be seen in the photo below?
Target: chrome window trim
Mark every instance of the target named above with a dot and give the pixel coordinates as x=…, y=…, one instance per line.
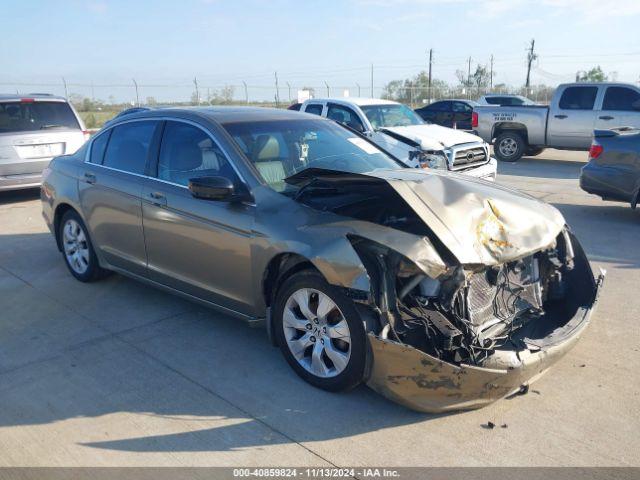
x=160, y=119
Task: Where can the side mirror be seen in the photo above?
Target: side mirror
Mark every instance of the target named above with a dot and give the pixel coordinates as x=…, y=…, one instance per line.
x=212, y=188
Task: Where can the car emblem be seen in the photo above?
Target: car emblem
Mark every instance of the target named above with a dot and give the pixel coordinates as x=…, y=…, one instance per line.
x=470, y=156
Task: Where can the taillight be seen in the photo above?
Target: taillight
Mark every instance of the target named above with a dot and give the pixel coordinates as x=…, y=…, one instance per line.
x=27, y=100
x=474, y=119
x=87, y=134
x=596, y=150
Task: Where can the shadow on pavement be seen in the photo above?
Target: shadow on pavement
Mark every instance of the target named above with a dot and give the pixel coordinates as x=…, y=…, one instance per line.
x=218, y=379
x=16, y=196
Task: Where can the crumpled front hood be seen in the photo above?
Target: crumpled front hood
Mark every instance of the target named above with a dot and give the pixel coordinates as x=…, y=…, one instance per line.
x=480, y=223
x=434, y=137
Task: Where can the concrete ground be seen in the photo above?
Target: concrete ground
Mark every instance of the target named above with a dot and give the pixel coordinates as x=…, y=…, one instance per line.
x=117, y=373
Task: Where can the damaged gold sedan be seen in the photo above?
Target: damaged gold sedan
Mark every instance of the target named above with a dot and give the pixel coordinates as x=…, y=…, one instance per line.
x=440, y=291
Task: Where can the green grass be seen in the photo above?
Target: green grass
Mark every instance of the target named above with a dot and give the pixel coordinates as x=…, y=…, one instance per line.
x=96, y=119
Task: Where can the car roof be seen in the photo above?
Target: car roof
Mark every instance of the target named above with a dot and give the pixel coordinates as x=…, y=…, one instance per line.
x=502, y=95
x=226, y=114
x=463, y=100
x=16, y=97
x=359, y=101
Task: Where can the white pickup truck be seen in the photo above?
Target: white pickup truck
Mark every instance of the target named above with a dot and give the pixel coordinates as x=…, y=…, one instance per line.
x=398, y=130
x=575, y=111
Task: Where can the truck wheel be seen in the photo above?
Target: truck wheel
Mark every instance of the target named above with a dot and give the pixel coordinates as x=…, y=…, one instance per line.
x=533, y=151
x=509, y=147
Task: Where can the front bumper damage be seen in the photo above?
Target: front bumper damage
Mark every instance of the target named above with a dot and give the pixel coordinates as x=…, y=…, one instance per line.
x=424, y=383
x=472, y=291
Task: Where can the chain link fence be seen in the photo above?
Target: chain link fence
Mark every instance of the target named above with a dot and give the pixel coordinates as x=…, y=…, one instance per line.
x=98, y=102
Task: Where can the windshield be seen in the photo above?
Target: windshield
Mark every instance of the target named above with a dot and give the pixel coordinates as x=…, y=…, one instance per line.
x=393, y=115
x=32, y=116
x=282, y=148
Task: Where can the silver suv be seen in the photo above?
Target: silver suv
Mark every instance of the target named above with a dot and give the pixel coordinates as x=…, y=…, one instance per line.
x=34, y=128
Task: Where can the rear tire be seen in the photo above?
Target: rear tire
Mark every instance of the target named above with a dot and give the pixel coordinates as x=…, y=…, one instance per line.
x=320, y=332
x=509, y=147
x=77, y=251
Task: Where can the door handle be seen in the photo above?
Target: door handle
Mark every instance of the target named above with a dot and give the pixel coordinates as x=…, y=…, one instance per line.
x=606, y=117
x=561, y=117
x=158, y=199
x=89, y=178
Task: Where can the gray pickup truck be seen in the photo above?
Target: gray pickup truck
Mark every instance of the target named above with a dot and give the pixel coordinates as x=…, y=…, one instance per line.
x=575, y=111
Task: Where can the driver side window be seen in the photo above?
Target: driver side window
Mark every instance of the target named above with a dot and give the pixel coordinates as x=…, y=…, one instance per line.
x=188, y=152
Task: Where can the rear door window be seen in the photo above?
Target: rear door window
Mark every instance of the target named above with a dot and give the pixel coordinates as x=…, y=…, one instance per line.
x=30, y=116
x=439, y=107
x=621, y=99
x=578, y=98
x=314, y=108
x=460, y=107
x=98, y=147
x=129, y=145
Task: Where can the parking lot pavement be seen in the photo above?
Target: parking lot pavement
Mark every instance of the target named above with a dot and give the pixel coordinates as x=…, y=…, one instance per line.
x=117, y=373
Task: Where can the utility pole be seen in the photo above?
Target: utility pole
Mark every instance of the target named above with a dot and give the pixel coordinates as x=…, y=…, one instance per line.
x=277, y=91
x=372, y=80
x=289, y=87
x=195, y=82
x=531, y=56
x=93, y=93
x=491, y=74
x=135, y=84
x=430, y=63
x=358, y=85
x=327, y=85
x=66, y=92
x=469, y=79
x=246, y=92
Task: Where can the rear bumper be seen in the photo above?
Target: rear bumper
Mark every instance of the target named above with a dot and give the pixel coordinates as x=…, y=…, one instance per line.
x=20, y=181
x=427, y=384
x=608, y=183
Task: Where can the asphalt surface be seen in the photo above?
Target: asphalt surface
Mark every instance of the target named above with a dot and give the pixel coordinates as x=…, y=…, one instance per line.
x=119, y=374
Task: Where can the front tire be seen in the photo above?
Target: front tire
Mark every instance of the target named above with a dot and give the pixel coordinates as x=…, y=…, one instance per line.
x=509, y=147
x=77, y=250
x=320, y=332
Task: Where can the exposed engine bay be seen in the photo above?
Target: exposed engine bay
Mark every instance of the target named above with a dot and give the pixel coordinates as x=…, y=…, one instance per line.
x=469, y=314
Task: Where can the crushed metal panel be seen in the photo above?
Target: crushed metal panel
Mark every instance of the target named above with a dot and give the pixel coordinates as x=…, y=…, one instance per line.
x=414, y=247
x=507, y=224
x=425, y=383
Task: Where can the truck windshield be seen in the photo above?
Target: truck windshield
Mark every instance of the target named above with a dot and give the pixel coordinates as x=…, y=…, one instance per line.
x=281, y=148
x=393, y=115
x=36, y=116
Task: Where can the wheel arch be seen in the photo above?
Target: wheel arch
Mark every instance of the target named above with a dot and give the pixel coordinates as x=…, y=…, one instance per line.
x=283, y=263
x=502, y=127
x=60, y=211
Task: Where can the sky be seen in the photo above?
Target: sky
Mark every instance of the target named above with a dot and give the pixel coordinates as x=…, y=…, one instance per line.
x=165, y=45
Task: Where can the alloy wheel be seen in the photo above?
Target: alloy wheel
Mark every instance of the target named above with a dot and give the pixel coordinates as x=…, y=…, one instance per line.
x=76, y=247
x=508, y=147
x=316, y=332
